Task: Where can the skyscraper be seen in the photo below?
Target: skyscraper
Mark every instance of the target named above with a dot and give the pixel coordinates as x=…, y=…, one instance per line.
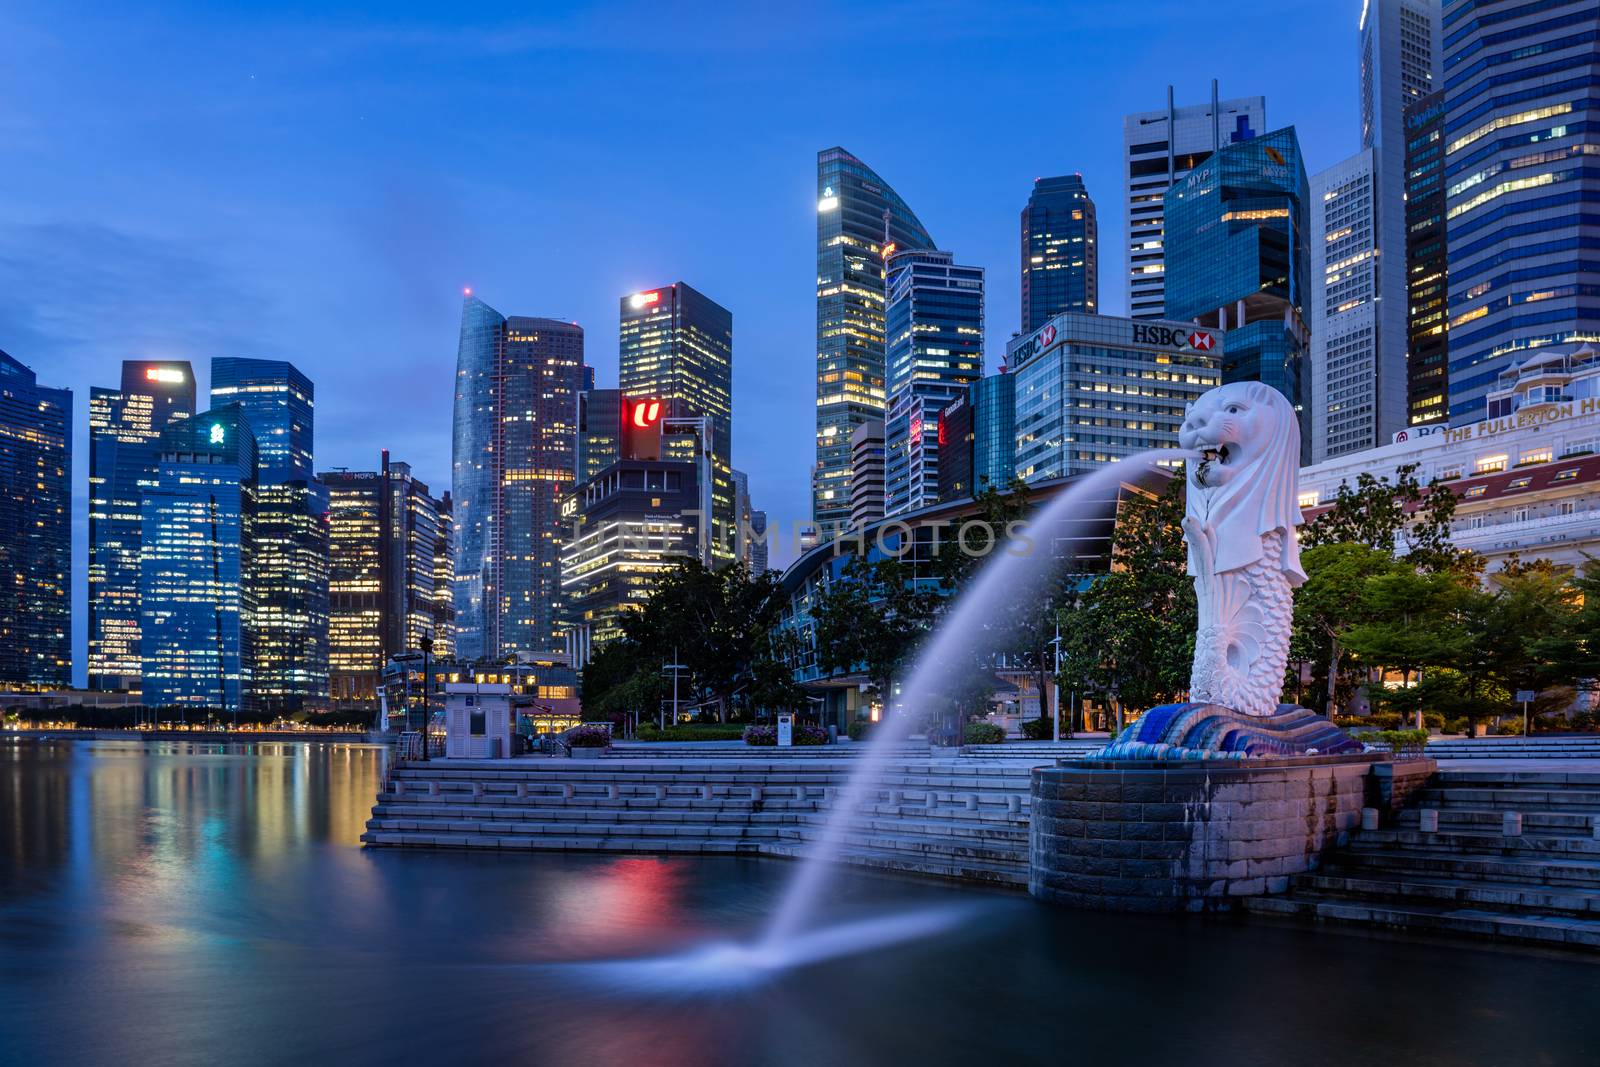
x=388, y=575
x=288, y=570
x=125, y=426
x=743, y=512
x=934, y=325
x=994, y=431
x=278, y=401
x=196, y=599
x=599, y=436
x=759, y=549
x=1518, y=185
x=515, y=449
x=1357, y=371
x=858, y=214
x=1160, y=148
x=1400, y=56
x=676, y=345
x=1060, y=251
x=866, y=473
x=35, y=530
x=1358, y=366
x=1238, y=261
x=1427, y=263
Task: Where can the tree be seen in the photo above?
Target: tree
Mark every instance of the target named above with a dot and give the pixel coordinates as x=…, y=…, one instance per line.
x=1129, y=634
x=1403, y=518
x=1531, y=609
x=719, y=623
x=1574, y=650
x=1329, y=604
x=1410, y=620
x=871, y=617
x=1023, y=629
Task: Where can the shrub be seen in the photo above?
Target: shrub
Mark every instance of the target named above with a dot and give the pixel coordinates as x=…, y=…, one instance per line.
x=982, y=733
x=649, y=731
x=1040, y=729
x=809, y=735
x=589, y=737
x=1462, y=725
x=859, y=729
x=1404, y=744
x=767, y=736
x=1509, y=727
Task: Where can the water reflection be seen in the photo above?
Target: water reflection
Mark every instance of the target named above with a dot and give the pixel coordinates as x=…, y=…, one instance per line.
x=171, y=902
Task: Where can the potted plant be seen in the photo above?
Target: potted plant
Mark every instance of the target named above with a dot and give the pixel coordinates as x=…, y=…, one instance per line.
x=588, y=742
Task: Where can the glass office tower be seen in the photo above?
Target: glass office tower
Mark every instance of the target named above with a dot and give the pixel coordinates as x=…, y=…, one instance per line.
x=290, y=576
x=1427, y=316
x=860, y=219
x=514, y=454
x=934, y=330
x=278, y=401
x=676, y=344
x=599, y=437
x=994, y=431
x=289, y=571
x=35, y=531
x=125, y=426
x=1520, y=185
x=1159, y=149
x=389, y=574
x=196, y=603
x=1060, y=251
x=1238, y=260
x=1094, y=389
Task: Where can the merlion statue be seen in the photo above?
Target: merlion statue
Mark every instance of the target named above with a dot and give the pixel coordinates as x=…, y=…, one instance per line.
x=1244, y=553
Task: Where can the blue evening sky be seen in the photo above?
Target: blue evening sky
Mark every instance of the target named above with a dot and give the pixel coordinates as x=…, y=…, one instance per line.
x=318, y=181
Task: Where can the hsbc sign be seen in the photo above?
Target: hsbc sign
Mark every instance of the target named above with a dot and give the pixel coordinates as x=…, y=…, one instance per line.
x=1097, y=329
x=1145, y=333
x=1041, y=340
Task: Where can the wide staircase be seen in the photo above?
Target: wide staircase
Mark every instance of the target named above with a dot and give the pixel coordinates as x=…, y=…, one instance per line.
x=1515, y=856
x=1539, y=746
x=948, y=818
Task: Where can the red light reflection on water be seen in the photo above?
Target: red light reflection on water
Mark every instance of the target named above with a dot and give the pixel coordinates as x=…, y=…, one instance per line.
x=628, y=904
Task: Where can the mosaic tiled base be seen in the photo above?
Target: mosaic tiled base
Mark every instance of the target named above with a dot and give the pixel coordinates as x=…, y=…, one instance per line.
x=1211, y=731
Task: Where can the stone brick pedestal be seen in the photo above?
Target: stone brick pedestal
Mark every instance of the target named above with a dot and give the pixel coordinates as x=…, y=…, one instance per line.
x=1133, y=835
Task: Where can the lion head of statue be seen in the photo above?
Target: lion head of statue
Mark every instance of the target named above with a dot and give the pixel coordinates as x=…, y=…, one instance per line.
x=1246, y=480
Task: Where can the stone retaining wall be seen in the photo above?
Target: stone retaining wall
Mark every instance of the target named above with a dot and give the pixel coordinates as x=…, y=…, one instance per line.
x=1153, y=836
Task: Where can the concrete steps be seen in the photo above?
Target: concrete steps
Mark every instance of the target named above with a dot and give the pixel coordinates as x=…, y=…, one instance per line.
x=1549, y=746
x=1542, y=900
x=1470, y=877
x=939, y=817
x=1583, y=934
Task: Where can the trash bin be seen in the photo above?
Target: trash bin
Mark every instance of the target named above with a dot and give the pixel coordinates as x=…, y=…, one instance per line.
x=833, y=733
x=494, y=749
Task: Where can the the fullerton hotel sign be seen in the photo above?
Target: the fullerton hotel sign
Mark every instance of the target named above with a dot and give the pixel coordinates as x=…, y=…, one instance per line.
x=1526, y=419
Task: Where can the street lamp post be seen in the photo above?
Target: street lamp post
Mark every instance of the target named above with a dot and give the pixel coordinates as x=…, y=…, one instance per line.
x=674, y=667
x=427, y=710
x=1055, y=719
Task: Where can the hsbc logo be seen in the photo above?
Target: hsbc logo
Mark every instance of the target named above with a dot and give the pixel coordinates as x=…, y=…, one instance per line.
x=1032, y=346
x=1145, y=333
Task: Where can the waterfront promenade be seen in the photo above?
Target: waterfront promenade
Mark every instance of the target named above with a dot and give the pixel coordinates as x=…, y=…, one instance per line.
x=965, y=816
